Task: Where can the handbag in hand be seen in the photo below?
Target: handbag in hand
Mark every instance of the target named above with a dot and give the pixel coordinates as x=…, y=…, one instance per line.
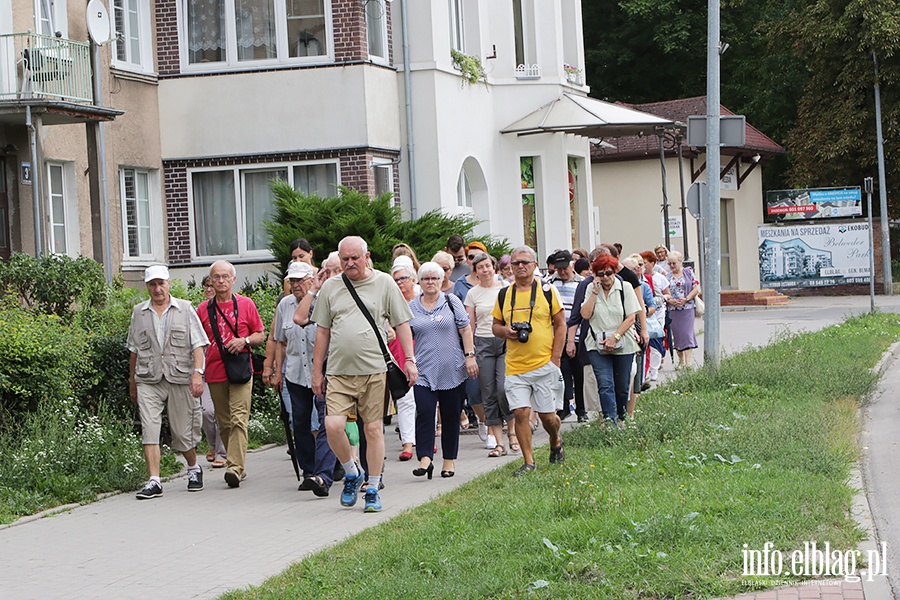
x=396, y=378
x=238, y=367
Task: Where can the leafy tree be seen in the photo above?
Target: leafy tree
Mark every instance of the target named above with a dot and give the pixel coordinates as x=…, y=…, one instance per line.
x=325, y=221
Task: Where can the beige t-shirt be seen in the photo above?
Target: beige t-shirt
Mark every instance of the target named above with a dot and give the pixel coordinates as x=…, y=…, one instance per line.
x=483, y=299
x=354, y=349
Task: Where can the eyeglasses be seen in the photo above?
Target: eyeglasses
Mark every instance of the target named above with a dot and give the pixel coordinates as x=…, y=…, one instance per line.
x=521, y=263
x=429, y=279
x=606, y=273
x=472, y=256
x=208, y=287
x=401, y=279
x=447, y=269
x=459, y=259
x=218, y=278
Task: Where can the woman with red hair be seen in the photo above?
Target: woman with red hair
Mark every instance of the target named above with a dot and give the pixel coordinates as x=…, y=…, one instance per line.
x=611, y=341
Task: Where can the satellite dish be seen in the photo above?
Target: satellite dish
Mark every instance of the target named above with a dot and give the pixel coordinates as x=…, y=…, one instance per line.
x=98, y=23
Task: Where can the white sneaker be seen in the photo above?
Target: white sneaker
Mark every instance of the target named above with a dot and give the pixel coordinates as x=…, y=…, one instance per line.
x=482, y=432
x=491, y=442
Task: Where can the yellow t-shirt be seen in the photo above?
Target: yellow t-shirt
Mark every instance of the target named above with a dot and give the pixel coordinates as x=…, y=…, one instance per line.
x=522, y=358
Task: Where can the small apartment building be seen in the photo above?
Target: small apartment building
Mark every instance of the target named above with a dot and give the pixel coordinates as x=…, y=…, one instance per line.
x=46, y=73
x=627, y=190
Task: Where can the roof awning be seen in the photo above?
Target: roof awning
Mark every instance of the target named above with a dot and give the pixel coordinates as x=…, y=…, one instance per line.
x=588, y=117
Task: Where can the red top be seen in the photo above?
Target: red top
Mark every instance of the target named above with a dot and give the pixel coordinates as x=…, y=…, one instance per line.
x=248, y=323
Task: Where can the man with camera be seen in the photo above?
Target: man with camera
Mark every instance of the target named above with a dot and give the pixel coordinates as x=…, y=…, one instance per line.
x=530, y=317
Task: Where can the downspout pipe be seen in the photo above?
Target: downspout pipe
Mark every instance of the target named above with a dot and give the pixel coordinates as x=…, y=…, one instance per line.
x=36, y=171
x=410, y=138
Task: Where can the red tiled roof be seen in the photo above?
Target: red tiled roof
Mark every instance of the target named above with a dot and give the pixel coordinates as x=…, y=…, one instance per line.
x=677, y=110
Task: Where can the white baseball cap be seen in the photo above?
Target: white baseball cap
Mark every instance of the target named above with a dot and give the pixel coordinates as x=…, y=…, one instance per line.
x=299, y=270
x=156, y=272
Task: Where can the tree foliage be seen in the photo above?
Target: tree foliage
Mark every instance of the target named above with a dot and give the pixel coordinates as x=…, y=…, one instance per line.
x=800, y=70
x=325, y=221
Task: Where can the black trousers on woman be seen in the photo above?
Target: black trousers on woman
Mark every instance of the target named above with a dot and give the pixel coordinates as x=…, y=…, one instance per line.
x=450, y=403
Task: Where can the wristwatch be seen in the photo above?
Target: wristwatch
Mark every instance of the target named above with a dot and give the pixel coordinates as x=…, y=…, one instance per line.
x=247, y=341
x=201, y=371
x=617, y=335
x=411, y=359
x=468, y=354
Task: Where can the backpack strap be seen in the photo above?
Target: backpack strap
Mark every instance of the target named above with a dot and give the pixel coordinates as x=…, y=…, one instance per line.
x=501, y=296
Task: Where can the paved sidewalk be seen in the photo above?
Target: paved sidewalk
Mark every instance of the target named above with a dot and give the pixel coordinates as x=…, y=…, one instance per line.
x=183, y=544
x=816, y=590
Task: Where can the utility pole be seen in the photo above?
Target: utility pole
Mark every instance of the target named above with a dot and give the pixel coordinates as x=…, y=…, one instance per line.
x=712, y=253
x=882, y=193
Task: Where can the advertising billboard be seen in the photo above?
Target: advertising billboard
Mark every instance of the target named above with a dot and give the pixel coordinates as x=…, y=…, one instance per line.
x=812, y=204
x=813, y=255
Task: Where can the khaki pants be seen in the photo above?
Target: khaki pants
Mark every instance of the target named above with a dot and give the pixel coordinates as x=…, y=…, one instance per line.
x=232, y=402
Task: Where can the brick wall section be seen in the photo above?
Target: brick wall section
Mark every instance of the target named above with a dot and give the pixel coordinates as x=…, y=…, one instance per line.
x=350, y=43
x=355, y=172
x=167, y=60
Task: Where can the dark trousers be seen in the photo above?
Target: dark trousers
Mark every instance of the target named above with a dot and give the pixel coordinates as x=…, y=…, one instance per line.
x=450, y=403
x=572, y=368
x=313, y=454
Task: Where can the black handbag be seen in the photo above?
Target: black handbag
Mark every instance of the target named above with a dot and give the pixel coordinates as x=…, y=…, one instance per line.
x=238, y=367
x=396, y=378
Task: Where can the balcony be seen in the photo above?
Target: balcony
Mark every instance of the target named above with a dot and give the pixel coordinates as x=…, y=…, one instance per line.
x=42, y=67
x=50, y=75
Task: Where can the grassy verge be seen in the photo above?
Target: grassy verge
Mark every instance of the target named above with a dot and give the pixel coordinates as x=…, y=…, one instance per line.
x=59, y=455
x=759, y=452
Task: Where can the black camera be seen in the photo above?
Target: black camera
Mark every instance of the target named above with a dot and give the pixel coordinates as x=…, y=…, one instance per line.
x=523, y=330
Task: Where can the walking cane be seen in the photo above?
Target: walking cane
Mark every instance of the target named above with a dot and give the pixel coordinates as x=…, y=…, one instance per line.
x=289, y=435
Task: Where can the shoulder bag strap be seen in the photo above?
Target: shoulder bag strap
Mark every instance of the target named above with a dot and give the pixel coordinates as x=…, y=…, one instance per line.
x=365, y=312
x=453, y=310
x=211, y=308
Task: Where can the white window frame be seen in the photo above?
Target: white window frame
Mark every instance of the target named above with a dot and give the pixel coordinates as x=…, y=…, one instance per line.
x=464, y=191
x=457, y=25
x=381, y=164
x=381, y=24
x=69, y=218
x=53, y=15
x=231, y=62
x=155, y=215
x=527, y=27
x=238, y=172
x=142, y=63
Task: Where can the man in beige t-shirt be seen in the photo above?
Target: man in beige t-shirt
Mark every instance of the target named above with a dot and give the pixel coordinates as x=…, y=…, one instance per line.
x=357, y=375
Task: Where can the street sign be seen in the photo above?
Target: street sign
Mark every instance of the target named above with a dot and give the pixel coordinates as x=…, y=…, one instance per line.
x=694, y=194
x=732, y=131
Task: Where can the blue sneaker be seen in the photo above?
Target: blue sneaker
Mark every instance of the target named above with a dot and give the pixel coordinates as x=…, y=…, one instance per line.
x=373, y=500
x=351, y=489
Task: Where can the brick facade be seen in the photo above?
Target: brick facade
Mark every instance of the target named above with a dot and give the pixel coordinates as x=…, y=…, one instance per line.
x=355, y=172
x=350, y=41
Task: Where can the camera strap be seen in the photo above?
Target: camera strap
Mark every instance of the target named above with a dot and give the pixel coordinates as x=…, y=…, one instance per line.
x=512, y=307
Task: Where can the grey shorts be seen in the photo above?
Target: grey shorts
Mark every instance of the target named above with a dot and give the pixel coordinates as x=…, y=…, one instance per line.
x=541, y=389
x=185, y=416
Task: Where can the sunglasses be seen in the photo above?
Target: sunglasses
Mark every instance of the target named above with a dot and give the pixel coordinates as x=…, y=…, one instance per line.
x=458, y=259
x=472, y=256
x=521, y=263
x=606, y=273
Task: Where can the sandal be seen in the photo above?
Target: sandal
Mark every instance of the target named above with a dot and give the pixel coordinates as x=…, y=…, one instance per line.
x=514, y=445
x=464, y=422
x=219, y=463
x=497, y=452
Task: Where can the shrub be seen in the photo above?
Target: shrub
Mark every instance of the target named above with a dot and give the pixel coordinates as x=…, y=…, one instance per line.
x=325, y=221
x=42, y=359
x=53, y=284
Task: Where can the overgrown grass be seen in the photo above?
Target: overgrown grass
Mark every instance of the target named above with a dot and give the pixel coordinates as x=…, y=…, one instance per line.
x=759, y=452
x=60, y=455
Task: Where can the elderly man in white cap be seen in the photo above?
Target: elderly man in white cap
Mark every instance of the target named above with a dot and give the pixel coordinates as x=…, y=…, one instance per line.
x=167, y=345
x=296, y=334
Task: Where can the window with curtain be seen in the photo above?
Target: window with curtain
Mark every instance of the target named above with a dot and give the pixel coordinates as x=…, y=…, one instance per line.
x=273, y=31
x=135, y=186
x=230, y=206
x=56, y=178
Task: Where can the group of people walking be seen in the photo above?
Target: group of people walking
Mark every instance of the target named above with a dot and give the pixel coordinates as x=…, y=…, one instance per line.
x=462, y=328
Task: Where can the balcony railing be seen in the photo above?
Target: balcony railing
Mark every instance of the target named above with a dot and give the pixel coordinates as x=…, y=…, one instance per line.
x=42, y=67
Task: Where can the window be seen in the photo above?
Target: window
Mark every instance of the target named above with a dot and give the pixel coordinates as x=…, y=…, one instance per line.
x=456, y=26
x=132, y=44
x=139, y=212
x=230, y=206
x=463, y=190
x=523, y=27
x=62, y=210
x=50, y=17
x=235, y=33
x=527, y=192
x=376, y=28
x=384, y=178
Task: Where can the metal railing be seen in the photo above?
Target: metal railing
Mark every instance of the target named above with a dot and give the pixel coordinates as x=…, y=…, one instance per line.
x=42, y=67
